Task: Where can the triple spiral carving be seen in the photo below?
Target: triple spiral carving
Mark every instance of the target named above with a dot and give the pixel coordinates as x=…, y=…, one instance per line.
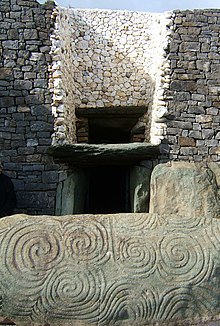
x=89, y=270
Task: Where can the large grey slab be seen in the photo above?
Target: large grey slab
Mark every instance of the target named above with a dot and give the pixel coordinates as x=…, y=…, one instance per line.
x=188, y=189
x=104, y=154
x=125, y=269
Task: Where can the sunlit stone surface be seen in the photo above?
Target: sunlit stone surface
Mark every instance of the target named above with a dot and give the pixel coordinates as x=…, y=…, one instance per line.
x=126, y=269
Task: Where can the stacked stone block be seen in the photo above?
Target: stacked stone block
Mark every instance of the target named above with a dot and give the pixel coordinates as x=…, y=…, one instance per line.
x=107, y=59
x=26, y=121
x=61, y=79
x=55, y=61
x=193, y=96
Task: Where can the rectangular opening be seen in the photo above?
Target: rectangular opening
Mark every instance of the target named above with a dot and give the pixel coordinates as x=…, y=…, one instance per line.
x=108, y=190
x=110, y=125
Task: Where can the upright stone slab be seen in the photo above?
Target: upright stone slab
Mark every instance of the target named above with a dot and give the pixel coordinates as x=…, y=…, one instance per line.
x=183, y=188
x=139, y=189
x=71, y=193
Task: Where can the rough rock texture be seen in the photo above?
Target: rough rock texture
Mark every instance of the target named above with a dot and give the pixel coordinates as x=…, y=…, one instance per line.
x=114, y=55
x=71, y=193
x=125, y=269
x=174, y=71
x=192, y=96
x=104, y=154
x=140, y=188
x=108, y=59
x=122, y=269
x=187, y=189
x=26, y=120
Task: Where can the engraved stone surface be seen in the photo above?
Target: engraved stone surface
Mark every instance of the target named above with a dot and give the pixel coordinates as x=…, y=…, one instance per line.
x=119, y=269
x=124, y=269
x=188, y=189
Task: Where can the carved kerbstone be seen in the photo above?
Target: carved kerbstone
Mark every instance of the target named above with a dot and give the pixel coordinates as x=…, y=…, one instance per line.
x=124, y=269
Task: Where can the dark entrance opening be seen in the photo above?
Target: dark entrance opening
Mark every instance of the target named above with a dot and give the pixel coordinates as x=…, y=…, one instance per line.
x=108, y=132
x=110, y=125
x=108, y=190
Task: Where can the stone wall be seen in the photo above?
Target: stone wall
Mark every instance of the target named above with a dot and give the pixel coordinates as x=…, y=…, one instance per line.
x=114, y=59
x=26, y=121
x=54, y=62
x=62, y=84
x=193, y=96
x=168, y=63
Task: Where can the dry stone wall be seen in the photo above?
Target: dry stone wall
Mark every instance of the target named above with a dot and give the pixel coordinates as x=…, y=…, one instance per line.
x=112, y=59
x=193, y=96
x=26, y=121
x=116, y=56
x=168, y=63
x=62, y=84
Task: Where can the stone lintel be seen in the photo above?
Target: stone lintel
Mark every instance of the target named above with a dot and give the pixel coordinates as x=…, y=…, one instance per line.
x=104, y=154
x=132, y=111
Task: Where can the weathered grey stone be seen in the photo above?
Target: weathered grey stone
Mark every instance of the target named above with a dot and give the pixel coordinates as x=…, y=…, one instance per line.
x=204, y=118
x=41, y=126
x=188, y=189
x=129, y=269
x=30, y=34
x=197, y=134
x=139, y=189
x=183, y=85
x=71, y=193
x=89, y=154
x=36, y=199
x=13, y=45
x=23, y=84
x=188, y=151
x=6, y=101
x=186, y=141
x=207, y=133
x=215, y=167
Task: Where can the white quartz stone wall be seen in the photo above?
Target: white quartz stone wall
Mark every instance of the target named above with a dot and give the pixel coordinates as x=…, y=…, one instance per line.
x=61, y=80
x=113, y=59
x=116, y=56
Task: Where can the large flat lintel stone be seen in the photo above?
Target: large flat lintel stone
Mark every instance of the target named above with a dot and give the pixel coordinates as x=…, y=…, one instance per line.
x=104, y=154
x=132, y=111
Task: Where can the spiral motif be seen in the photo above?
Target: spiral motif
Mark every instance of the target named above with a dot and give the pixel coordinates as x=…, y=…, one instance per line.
x=213, y=234
x=144, y=222
x=87, y=241
x=30, y=250
x=113, y=303
x=181, y=302
x=182, y=259
x=73, y=293
x=138, y=256
x=173, y=303
x=143, y=305
x=186, y=223
x=3, y=230
x=149, y=300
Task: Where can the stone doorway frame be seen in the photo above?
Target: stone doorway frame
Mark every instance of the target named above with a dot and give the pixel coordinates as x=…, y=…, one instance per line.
x=72, y=192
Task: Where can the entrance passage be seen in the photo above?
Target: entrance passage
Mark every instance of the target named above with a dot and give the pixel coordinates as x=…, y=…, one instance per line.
x=104, y=190
x=108, y=190
x=109, y=131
